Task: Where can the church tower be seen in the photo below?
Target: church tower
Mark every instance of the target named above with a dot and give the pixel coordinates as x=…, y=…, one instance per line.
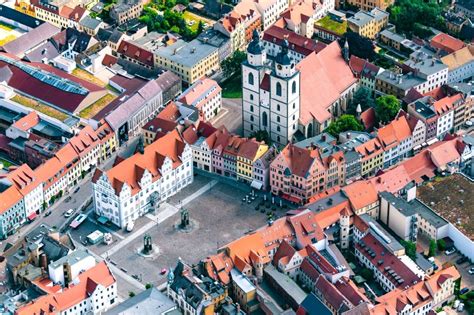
x=284, y=97
x=253, y=71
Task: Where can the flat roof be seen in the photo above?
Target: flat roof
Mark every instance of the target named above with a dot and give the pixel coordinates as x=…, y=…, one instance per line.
x=285, y=282
x=242, y=281
x=186, y=54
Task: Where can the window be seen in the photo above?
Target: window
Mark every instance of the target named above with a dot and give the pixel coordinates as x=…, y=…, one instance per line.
x=251, y=78
x=278, y=89
x=264, y=119
x=278, y=118
x=293, y=87
x=251, y=108
x=251, y=97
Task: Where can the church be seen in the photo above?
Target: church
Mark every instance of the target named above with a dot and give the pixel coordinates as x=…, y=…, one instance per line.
x=290, y=100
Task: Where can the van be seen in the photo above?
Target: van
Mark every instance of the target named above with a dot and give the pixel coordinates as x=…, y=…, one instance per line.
x=68, y=213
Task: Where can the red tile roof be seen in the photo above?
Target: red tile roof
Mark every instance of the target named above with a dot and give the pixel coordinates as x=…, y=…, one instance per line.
x=324, y=71
x=368, y=118
x=298, y=43
x=446, y=42
x=361, y=194
x=27, y=122
x=59, y=300
x=136, y=52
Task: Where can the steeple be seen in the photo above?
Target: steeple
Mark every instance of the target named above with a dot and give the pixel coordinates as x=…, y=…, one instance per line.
x=256, y=55
x=345, y=51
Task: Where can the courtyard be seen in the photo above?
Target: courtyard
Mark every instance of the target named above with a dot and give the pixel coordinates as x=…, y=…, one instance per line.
x=217, y=216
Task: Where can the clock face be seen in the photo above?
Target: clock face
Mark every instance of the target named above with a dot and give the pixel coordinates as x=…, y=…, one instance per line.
x=279, y=67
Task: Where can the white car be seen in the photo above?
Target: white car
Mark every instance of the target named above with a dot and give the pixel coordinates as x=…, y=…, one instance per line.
x=129, y=226
x=450, y=251
x=68, y=213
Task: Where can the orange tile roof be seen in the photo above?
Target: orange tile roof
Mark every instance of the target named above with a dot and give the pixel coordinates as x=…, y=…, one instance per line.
x=368, y=118
x=361, y=194
x=130, y=171
x=369, y=149
x=48, y=170
x=328, y=217
x=249, y=149
x=24, y=178
x=27, y=122
x=298, y=160
x=447, y=103
x=395, y=132
x=84, y=141
x=323, y=71
x=170, y=112
x=299, y=13
x=392, y=180
x=60, y=300
x=446, y=42
x=9, y=197
x=444, y=152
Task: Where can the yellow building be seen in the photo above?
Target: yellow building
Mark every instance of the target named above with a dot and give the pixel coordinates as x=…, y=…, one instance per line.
x=24, y=6
x=371, y=153
x=249, y=151
x=371, y=4
x=244, y=291
x=108, y=141
x=190, y=61
x=63, y=16
x=368, y=24
x=233, y=26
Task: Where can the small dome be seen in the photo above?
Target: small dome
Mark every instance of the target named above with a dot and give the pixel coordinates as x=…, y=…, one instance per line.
x=283, y=58
x=255, y=47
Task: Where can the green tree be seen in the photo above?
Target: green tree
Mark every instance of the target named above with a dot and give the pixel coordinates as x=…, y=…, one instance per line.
x=233, y=64
x=131, y=294
x=361, y=96
x=261, y=135
x=367, y=274
x=200, y=27
x=360, y=46
x=386, y=108
x=441, y=245
x=344, y=123
x=410, y=249
x=148, y=286
x=432, y=251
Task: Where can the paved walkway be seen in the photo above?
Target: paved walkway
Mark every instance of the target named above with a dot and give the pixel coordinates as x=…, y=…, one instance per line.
x=168, y=211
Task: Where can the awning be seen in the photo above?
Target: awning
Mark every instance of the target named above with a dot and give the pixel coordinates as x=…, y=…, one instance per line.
x=291, y=198
x=102, y=220
x=32, y=216
x=256, y=184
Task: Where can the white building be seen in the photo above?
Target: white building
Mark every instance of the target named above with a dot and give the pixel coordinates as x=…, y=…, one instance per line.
x=138, y=184
x=270, y=11
x=432, y=71
x=66, y=269
x=205, y=95
x=460, y=64
x=284, y=97
x=396, y=139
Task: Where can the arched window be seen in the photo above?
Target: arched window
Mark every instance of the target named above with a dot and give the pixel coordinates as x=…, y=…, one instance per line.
x=293, y=87
x=251, y=108
x=278, y=89
x=278, y=107
x=264, y=119
x=251, y=97
x=278, y=118
x=251, y=118
x=251, y=78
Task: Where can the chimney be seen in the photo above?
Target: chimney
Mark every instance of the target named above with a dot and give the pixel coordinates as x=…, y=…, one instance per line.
x=348, y=135
x=43, y=261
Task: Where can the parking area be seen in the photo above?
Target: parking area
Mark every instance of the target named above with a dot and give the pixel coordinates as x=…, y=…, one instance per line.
x=217, y=213
x=467, y=279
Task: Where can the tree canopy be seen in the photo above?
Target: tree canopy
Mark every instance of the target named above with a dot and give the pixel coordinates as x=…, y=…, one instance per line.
x=386, y=108
x=344, y=123
x=413, y=17
x=233, y=64
x=361, y=96
x=261, y=135
x=360, y=46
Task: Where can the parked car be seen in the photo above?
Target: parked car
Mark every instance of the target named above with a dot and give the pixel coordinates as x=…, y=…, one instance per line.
x=47, y=213
x=450, y=251
x=461, y=260
x=471, y=271
x=163, y=271
x=77, y=189
x=68, y=213
x=463, y=290
x=68, y=198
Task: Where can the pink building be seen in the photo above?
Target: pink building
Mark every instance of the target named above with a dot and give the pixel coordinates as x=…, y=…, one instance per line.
x=205, y=95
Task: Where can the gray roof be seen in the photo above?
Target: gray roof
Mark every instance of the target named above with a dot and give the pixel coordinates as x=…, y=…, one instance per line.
x=327, y=202
x=242, y=281
x=186, y=54
x=426, y=66
x=133, y=104
x=393, y=246
x=213, y=37
x=362, y=18
x=392, y=35
x=286, y=284
x=422, y=108
x=31, y=39
x=70, y=259
x=407, y=81
x=422, y=262
x=150, y=301
x=90, y=22
x=413, y=207
x=46, y=50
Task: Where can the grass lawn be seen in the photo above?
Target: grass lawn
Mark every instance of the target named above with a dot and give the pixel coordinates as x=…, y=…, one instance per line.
x=84, y=75
x=329, y=24
x=5, y=163
x=189, y=16
x=42, y=108
x=97, y=106
x=232, y=87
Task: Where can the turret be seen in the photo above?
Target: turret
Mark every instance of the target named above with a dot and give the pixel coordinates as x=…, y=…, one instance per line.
x=284, y=66
x=256, y=55
x=345, y=51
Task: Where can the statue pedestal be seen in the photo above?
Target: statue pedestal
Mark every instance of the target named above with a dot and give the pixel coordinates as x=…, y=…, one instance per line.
x=154, y=252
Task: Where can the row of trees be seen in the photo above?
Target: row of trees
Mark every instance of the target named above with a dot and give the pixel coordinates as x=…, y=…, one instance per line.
x=414, y=17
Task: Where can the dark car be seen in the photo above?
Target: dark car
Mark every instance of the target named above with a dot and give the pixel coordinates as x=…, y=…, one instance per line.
x=77, y=189
x=461, y=260
x=47, y=213
x=464, y=291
